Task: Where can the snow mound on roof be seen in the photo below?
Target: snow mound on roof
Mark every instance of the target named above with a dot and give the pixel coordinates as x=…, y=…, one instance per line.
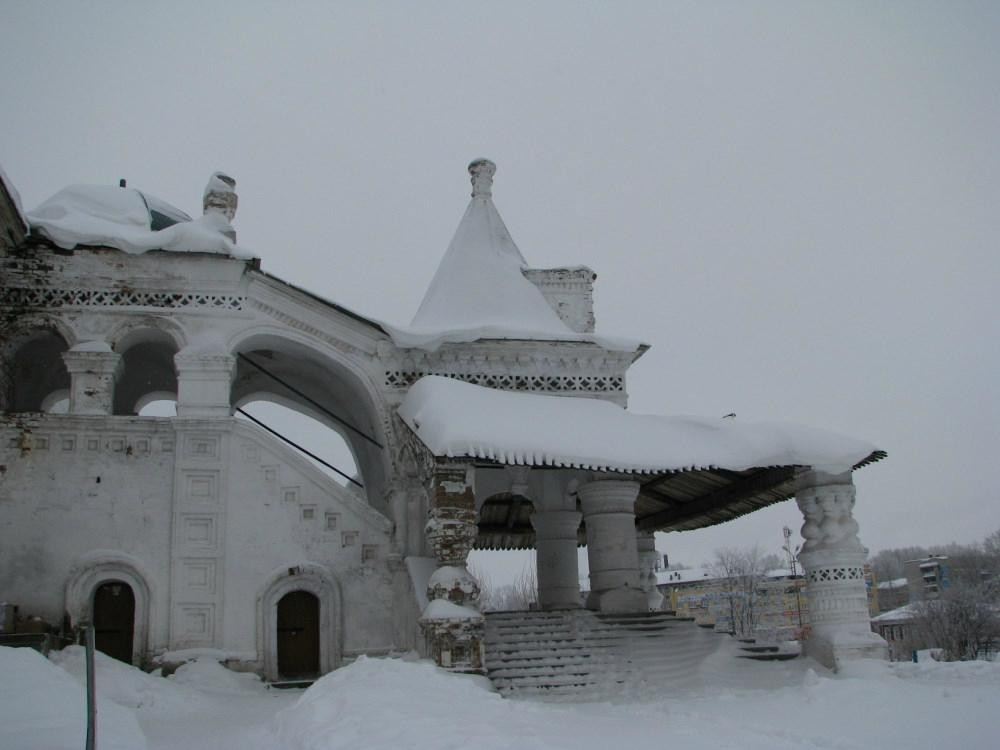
x=120, y=217
x=453, y=418
x=44, y=708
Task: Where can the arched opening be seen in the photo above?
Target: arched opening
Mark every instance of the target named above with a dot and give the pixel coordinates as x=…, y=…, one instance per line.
x=147, y=368
x=114, y=620
x=157, y=404
x=293, y=375
x=35, y=370
x=298, y=635
x=311, y=434
x=317, y=581
x=504, y=561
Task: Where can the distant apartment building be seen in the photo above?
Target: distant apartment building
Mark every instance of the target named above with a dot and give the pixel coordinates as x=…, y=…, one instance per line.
x=927, y=577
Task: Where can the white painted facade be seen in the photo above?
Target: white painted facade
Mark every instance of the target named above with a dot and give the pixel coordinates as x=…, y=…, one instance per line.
x=211, y=521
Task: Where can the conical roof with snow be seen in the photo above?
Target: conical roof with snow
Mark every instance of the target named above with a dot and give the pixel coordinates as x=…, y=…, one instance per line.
x=479, y=283
x=480, y=291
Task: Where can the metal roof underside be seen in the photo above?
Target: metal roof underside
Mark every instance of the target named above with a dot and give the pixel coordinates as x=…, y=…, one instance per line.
x=673, y=501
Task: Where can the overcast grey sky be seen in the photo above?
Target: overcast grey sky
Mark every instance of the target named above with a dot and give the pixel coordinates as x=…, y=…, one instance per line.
x=797, y=204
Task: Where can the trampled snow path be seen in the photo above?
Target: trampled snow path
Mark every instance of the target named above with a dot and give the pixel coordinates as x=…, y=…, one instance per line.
x=380, y=704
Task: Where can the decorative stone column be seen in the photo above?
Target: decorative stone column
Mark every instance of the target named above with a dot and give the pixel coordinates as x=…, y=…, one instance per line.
x=203, y=384
x=609, y=512
x=648, y=558
x=452, y=621
x=93, y=369
x=555, y=545
x=833, y=559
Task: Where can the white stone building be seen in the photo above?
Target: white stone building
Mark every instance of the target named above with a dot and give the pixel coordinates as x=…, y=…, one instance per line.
x=205, y=531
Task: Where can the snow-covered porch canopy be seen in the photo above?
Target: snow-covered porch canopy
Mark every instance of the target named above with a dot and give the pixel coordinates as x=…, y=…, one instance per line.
x=693, y=472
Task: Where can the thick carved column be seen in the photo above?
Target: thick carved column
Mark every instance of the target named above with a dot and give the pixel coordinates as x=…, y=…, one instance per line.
x=203, y=384
x=648, y=558
x=452, y=621
x=92, y=372
x=609, y=512
x=833, y=559
x=555, y=545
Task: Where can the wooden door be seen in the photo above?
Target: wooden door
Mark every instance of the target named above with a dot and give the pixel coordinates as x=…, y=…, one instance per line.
x=298, y=635
x=114, y=620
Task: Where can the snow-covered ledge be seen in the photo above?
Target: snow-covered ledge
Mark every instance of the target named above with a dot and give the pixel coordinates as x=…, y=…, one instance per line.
x=833, y=560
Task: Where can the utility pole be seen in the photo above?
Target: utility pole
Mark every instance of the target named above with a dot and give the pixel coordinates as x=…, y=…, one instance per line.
x=792, y=566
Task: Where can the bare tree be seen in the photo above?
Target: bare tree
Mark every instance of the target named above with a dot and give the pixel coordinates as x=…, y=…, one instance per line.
x=516, y=596
x=964, y=622
x=740, y=572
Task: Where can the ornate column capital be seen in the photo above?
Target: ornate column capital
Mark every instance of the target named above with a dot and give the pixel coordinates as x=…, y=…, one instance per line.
x=602, y=496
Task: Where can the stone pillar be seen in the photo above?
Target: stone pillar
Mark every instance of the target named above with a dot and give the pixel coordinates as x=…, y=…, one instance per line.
x=648, y=559
x=609, y=512
x=203, y=384
x=833, y=560
x=92, y=380
x=555, y=545
x=452, y=621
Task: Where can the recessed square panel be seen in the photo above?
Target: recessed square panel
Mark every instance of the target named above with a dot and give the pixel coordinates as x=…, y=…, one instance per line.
x=202, y=486
x=202, y=446
x=199, y=575
x=199, y=531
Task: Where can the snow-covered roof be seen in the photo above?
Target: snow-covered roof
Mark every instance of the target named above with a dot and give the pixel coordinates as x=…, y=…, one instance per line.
x=906, y=612
x=453, y=418
x=688, y=575
x=895, y=583
x=129, y=220
x=480, y=291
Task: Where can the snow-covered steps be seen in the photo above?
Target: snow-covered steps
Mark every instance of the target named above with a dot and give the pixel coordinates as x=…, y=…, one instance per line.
x=577, y=655
x=784, y=651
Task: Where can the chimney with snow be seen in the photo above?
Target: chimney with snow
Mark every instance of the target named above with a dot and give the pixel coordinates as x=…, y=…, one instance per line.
x=220, y=199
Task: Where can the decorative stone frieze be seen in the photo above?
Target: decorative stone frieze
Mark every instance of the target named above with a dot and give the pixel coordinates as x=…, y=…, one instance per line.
x=452, y=622
x=648, y=558
x=832, y=558
x=609, y=513
x=92, y=380
x=49, y=297
x=555, y=543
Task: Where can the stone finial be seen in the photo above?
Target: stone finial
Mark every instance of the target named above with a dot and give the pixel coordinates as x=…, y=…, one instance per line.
x=220, y=195
x=482, y=171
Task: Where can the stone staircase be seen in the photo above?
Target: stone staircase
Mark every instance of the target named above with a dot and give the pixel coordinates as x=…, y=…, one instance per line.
x=578, y=655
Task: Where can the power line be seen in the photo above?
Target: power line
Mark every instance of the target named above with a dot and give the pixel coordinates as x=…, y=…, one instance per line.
x=299, y=447
x=318, y=405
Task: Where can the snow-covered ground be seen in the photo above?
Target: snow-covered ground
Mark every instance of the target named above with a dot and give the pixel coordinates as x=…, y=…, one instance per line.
x=378, y=704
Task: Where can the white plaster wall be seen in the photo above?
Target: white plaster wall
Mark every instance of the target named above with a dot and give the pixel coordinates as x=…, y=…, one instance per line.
x=271, y=492
x=54, y=511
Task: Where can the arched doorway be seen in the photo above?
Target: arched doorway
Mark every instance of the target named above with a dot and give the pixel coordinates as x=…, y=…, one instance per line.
x=114, y=620
x=298, y=635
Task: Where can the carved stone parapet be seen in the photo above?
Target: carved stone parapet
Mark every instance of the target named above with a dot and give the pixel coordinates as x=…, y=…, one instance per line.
x=92, y=380
x=833, y=563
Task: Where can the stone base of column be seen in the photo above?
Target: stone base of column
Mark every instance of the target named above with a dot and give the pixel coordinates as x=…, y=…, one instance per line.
x=618, y=601
x=838, y=608
x=555, y=544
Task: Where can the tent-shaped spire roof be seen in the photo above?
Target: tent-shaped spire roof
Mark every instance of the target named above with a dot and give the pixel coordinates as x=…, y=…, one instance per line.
x=479, y=283
x=480, y=291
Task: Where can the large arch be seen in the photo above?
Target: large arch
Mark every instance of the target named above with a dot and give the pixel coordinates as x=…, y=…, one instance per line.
x=326, y=377
x=105, y=566
x=320, y=582
x=147, y=349
x=31, y=364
